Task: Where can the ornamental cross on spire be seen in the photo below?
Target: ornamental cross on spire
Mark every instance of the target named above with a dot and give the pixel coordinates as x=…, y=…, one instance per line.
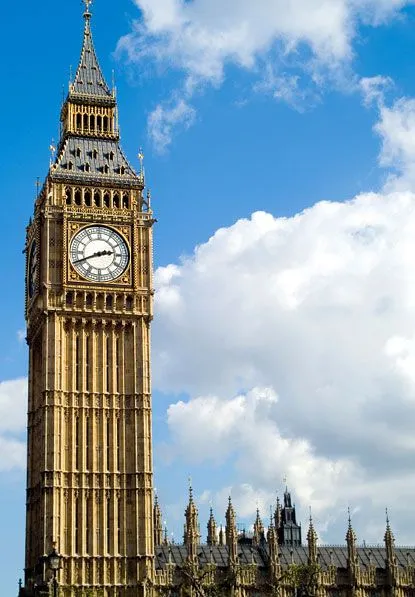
x=87, y=4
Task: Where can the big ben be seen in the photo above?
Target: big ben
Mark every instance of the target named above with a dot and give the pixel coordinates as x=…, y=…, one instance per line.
x=88, y=311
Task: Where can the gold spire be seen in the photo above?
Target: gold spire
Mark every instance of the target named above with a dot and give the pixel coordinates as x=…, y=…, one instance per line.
x=258, y=529
x=191, y=527
x=231, y=533
x=212, y=538
x=157, y=521
x=312, y=542
x=389, y=542
x=277, y=515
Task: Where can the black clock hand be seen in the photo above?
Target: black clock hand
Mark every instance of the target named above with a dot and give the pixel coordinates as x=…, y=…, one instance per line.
x=98, y=254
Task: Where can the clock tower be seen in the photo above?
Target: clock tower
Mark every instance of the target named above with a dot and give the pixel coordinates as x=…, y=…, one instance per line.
x=88, y=308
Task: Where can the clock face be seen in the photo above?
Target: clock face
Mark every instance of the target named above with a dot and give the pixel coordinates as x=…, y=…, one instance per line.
x=32, y=270
x=99, y=254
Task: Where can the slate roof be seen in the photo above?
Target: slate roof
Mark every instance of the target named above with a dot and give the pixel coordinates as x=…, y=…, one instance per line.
x=336, y=555
x=89, y=79
x=96, y=153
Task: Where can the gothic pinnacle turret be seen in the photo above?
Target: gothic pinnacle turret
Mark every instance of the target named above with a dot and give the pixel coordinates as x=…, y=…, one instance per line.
x=312, y=543
x=191, y=528
x=158, y=523
x=258, y=529
x=231, y=533
x=389, y=544
x=274, y=555
x=351, y=543
x=212, y=538
x=277, y=515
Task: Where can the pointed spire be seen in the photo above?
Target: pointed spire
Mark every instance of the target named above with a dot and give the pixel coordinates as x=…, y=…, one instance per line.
x=351, y=545
x=89, y=79
x=191, y=527
x=277, y=515
x=312, y=542
x=212, y=538
x=221, y=536
x=389, y=543
x=231, y=533
x=258, y=529
x=274, y=555
x=157, y=521
x=166, y=536
x=287, y=498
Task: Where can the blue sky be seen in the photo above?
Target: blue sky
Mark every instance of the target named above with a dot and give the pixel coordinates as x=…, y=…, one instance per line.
x=266, y=334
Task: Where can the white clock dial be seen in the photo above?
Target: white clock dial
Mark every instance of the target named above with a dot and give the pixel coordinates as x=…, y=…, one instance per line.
x=99, y=254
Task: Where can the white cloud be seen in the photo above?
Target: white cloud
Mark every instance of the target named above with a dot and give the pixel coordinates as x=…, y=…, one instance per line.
x=200, y=38
x=13, y=407
x=245, y=428
x=320, y=309
x=373, y=89
x=165, y=118
x=397, y=130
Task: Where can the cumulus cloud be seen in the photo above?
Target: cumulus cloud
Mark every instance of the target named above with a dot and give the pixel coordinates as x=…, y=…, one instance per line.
x=245, y=427
x=396, y=127
x=320, y=309
x=13, y=401
x=165, y=117
x=307, y=37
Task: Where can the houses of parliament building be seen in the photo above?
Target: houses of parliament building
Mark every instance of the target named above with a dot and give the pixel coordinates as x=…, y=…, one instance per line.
x=93, y=525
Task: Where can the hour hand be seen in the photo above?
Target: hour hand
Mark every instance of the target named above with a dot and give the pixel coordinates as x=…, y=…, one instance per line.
x=98, y=254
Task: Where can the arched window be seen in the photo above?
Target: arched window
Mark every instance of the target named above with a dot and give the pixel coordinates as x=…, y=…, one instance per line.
x=94, y=154
x=87, y=196
x=106, y=199
x=70, y=166
x=79, y=121
x=97, y=198
x=129, y=303
x=106, y=169
x=125, y=201
x=78, y=152
x=109, y=302
x=122, y=170
x=92, y=122
x=68, y=194
x=99, y=123
x=116, y=200
x=111, y=155
x=87, y=167
x=78, y=197
x=105, y=121
x=86, y=122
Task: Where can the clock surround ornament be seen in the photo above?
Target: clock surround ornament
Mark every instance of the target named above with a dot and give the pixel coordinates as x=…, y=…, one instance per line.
x=99, y=253
x=32, y=270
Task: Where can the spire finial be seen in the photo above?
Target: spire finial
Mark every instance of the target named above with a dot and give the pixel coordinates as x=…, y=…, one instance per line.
x=87, y=3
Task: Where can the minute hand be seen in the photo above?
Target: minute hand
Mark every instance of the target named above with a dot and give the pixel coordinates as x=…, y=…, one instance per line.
x=98, y=254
